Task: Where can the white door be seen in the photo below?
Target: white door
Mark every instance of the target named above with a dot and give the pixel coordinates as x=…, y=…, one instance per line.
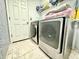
x=18, y=19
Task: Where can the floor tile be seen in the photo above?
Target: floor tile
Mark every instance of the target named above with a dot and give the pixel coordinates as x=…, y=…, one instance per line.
x=25, y=50
x=36, y=54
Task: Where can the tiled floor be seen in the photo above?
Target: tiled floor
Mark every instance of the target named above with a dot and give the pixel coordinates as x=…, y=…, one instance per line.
x=29, y=50
x=25, y=50
x=74, y=54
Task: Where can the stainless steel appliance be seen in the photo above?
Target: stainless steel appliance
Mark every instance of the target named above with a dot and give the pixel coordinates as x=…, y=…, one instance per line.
x=51, y=33
x=76, y=35
x=34, y=31
x=68, y=38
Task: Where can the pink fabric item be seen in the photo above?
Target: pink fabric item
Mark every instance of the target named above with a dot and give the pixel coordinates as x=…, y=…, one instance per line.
x=64, y=13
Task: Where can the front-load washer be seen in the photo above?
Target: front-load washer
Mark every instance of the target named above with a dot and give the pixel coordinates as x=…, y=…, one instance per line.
x=51, y=36
x=34, y=31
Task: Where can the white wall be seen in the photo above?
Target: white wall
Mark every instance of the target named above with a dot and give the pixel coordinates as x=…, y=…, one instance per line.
x=32, y=9
x=4, y=37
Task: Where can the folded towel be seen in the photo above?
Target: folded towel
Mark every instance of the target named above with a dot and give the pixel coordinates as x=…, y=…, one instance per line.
x=64, y=13
x=59, y=9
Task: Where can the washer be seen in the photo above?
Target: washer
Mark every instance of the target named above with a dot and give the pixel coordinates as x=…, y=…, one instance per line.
x=34, y=31
x=51, y=36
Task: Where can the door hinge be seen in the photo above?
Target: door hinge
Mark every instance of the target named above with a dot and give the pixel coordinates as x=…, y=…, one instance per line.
x=9, y=18
x=11, y=35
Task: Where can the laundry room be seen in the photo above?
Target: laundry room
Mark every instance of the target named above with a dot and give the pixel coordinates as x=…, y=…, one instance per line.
x=39, y=29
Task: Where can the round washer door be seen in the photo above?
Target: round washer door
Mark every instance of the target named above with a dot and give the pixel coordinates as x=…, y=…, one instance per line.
x=50, y=32
x=32, y=30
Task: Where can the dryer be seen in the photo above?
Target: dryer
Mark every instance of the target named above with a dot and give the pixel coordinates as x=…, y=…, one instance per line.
x=51, y=34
